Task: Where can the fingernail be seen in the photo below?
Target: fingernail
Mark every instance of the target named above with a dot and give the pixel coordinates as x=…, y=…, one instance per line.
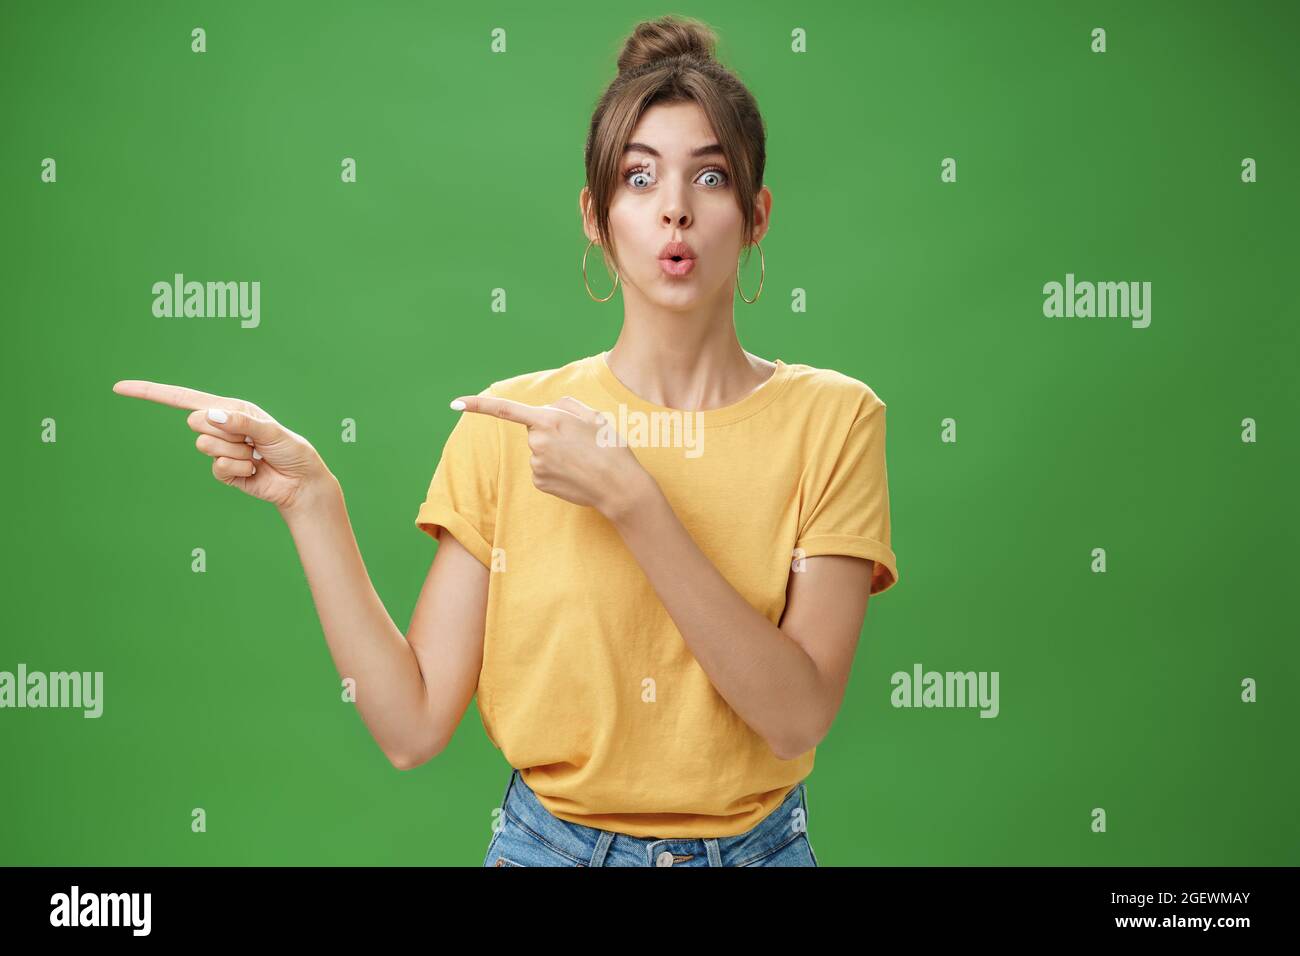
x=217, y=414
x=257, y=455
x=248, y=440
x=458, y=405
x=254, y=469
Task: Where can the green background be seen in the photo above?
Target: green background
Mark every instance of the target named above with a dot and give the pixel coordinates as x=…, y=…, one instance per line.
x=1118, y=690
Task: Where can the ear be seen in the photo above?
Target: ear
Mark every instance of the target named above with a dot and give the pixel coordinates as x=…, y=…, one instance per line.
x=762, y=213
x=584, y=211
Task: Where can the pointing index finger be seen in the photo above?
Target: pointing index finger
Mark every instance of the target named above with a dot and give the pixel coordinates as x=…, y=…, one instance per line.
x=506, y=408
x=177, y=396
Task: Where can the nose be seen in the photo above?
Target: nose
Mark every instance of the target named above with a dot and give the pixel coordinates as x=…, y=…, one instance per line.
x=676, y=215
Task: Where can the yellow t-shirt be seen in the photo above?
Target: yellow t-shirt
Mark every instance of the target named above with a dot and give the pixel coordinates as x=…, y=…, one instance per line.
x=587, y=686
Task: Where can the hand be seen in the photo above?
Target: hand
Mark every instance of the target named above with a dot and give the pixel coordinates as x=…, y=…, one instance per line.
x=251, y=451
x=568, y=461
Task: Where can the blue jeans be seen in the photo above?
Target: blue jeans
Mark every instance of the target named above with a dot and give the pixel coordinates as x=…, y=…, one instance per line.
x=529, y=835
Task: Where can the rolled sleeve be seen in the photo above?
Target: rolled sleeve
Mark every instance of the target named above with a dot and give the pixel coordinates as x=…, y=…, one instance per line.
x=462, y=495
x=851, y=513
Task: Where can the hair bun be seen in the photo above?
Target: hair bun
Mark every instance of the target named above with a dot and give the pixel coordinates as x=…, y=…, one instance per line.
x=665, y=38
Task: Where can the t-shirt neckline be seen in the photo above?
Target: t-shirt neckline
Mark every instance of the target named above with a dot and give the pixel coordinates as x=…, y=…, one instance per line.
x=727, y=414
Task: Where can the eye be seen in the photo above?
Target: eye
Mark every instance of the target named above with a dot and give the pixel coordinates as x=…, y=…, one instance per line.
x=717, y=172
x=634, y=171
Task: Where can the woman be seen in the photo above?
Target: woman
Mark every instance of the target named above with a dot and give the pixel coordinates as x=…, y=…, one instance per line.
x=657, y=559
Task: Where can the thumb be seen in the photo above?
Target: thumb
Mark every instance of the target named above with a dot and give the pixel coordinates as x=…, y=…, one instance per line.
x=580, y=409
x=261, y=430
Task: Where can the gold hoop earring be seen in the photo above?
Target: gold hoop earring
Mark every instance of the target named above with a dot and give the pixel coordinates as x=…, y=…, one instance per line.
x=584, y=274
x=763, y=262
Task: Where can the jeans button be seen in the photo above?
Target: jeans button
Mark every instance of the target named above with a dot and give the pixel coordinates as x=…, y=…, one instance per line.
x=664, y=859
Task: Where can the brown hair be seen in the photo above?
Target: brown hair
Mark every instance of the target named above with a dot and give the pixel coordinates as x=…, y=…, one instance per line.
x=670, y=60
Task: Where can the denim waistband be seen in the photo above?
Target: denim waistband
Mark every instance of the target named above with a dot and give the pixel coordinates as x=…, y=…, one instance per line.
x=589, y=846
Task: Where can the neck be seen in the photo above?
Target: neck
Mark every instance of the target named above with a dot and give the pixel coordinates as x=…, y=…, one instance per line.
x=692, y=361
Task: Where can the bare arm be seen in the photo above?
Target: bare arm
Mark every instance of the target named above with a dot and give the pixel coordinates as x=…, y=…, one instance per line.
x=786, y=682
x=411, y=691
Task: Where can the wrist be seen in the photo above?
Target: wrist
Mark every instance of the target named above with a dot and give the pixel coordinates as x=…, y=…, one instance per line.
x=631, y=497
x=314, y=497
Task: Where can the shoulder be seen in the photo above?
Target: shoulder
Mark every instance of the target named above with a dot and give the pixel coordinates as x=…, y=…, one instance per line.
x=837, y=393
x=475, y=438
x=542, y=386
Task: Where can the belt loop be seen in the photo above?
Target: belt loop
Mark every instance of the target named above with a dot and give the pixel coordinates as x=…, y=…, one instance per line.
x=602, y=847
x=713, y=851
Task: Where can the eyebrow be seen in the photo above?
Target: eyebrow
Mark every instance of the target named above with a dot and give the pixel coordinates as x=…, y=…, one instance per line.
x=713, y=149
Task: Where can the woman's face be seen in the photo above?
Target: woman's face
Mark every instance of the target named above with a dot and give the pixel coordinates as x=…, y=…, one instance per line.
x=674, y=189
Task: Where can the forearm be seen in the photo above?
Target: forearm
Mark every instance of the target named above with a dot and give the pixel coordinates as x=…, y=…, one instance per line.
x=365, y=643
x=766, y=677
